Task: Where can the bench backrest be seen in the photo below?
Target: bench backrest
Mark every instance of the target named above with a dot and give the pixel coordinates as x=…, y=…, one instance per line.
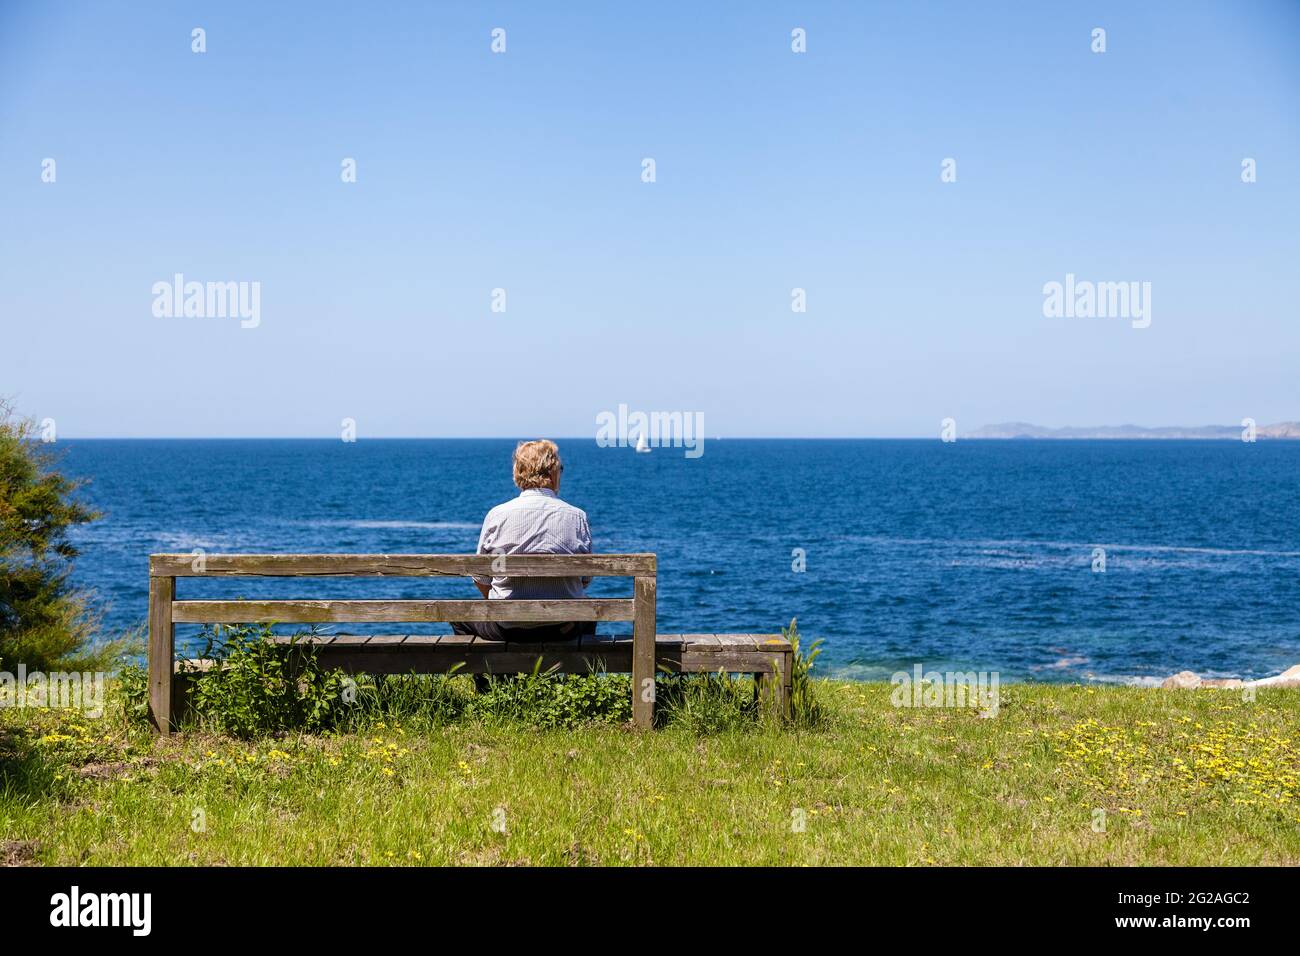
x=165, y=611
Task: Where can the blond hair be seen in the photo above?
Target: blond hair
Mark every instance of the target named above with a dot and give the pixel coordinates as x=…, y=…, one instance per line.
x=535, y=463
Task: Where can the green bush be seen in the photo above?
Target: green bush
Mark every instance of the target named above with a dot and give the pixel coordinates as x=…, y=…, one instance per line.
x=44, y=622
x=246, y=685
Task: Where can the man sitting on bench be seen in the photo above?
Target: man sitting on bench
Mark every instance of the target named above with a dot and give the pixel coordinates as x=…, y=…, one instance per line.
x=537, y=522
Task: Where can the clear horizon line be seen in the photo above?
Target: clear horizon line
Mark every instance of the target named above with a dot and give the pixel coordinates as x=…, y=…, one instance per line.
x=477, y=438
x=575, y=438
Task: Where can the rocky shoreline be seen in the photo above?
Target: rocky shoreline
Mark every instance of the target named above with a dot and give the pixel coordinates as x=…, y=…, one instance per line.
x=1187, y=680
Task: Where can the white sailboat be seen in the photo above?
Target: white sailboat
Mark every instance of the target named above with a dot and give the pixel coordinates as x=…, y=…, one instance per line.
x=641, y=444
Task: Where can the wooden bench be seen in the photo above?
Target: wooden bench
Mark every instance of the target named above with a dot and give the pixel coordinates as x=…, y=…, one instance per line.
x=768, y=657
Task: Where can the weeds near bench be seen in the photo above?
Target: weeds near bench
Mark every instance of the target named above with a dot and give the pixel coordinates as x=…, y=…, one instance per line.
x=433, y=700
x=133, y=690
x=546, y=699
x=805, y=709
x=705, y=704
x=247, y=685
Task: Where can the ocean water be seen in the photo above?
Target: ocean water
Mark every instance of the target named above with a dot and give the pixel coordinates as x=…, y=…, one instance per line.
x=971, y=555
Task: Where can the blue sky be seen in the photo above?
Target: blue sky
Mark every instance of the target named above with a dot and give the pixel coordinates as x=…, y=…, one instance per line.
x=522, y=171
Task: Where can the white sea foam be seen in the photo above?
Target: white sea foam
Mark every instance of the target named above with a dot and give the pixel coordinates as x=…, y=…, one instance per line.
x=183, y=541
x=1127, y=680
x=1061, y=664
x=1071, y=546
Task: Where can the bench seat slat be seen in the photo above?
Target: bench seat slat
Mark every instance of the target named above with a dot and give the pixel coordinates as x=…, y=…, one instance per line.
x=732, y=641
x=726, y=643
x=455, y=640
x=359, y=655
x=605, y=640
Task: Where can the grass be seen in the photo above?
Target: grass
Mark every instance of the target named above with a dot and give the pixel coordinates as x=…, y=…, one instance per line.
x=1184, y=777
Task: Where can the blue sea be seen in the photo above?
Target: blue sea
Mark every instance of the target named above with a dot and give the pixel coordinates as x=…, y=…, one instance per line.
x=972, y=555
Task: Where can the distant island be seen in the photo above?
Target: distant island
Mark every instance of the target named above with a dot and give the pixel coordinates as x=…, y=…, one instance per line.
x=1286, y=430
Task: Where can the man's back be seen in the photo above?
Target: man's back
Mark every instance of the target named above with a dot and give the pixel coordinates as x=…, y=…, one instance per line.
x=537, y=522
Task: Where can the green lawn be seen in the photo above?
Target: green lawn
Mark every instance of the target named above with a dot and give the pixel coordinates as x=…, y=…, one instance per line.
x=1184, y=777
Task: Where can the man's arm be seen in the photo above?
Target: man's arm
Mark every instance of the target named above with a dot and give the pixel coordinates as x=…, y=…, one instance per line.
x=483, y=589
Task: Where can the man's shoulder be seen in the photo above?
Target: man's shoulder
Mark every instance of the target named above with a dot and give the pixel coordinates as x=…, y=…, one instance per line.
x=538, y=502
x=497, y=512
x=561, y=505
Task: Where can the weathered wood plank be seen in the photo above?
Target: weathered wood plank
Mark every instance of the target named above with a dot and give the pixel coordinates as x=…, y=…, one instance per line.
x=400, y=565
x=595, y=641
x=643, y=653
x=519, y=658
x=162, y=648
x=508, y=658
x=605, y=640
x=455, y=640
x=669, y=641
x=735, y=662
x=733, y=642
x=497, y=660
x=701, y=640
x=452, y=643
x=395, y=612
x=571, y=644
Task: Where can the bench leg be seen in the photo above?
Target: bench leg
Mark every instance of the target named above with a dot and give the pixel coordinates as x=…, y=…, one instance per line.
x=787, y=683
x=643, y=654
x=162, y=639
x=774, y=688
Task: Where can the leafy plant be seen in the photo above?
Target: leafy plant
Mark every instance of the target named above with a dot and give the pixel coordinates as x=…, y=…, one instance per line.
x=805, y=709
x=133, y=691
x=245, y=684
